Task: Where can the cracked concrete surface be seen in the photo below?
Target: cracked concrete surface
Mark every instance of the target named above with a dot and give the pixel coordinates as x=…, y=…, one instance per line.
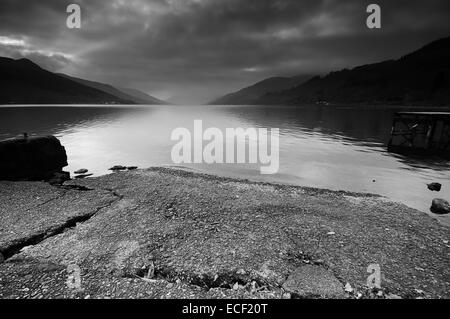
x=33, y=211
x=209, y=237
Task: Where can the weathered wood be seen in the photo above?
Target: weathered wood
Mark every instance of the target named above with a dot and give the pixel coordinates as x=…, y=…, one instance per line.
x=421, y=133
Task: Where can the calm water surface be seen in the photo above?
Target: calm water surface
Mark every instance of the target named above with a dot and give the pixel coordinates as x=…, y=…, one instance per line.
x=327, y=147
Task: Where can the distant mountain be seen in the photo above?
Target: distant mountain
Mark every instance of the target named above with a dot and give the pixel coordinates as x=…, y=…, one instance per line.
x=252, y=94
x=135, y=96
x=143, y=98
x=419, y=78
x=24, y=82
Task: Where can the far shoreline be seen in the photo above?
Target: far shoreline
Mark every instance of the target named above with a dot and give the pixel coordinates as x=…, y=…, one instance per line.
x=338, y=106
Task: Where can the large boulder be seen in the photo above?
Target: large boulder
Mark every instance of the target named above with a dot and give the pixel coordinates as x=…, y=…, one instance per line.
x=440, y=206
x=31, y=158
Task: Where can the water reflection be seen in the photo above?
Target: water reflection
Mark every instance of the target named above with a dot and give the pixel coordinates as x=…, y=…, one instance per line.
x=368, y=127
x=336, y=148
x=53, y=120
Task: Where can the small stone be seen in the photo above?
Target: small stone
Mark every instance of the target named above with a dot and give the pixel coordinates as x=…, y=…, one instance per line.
x=266, y=272
x=348, y=288
x=169, y=286
x=435, y=187
x=151, y=270
x=318, y=262
x=380, y=293
x=241, y=272
x=393, y=296
x=236, y=286
x=132, y=168
x=83, y=176
x=419, y=291
x=287, y=295
x=440, y=206
x=87, y=297
x=81, y=171
x=331, y=233
x=118, y=168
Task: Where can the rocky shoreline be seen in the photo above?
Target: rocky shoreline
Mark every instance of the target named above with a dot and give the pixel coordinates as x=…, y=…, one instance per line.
x=170, y=233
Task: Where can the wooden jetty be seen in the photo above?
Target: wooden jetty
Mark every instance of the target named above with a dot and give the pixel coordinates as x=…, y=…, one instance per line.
x=421, y=133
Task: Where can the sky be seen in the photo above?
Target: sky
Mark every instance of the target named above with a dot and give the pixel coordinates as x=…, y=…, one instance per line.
x=192, y=51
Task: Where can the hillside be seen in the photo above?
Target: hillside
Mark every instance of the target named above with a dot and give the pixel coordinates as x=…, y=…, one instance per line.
x=251, y=94
x=419, y=78
x=143, y=98
x=135, y=96
x=24, y=82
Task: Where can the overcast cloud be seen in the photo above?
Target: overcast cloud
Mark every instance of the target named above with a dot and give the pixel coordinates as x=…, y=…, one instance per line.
x=190, y=51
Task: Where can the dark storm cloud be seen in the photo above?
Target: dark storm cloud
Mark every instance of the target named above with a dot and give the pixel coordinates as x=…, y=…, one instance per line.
x=194, y=50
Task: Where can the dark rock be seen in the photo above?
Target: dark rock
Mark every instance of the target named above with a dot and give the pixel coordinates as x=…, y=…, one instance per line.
x=313, y=281
x=440, y=206
x=435, y=187
x=83, y=176
x=81, y=171
x=132, y=168
x=59, y=178
x=31, y=158
x=118, y=168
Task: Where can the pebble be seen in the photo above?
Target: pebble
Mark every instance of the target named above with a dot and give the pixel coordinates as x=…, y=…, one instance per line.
x=169, y=286
x=118, y=168
x=287, y=295
x=319, y=262
x=419, y=291
x=392, y=296
x=440, y=206
x=241, y=272
x=435, y=187
x=348, y=288
x=83, y=176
